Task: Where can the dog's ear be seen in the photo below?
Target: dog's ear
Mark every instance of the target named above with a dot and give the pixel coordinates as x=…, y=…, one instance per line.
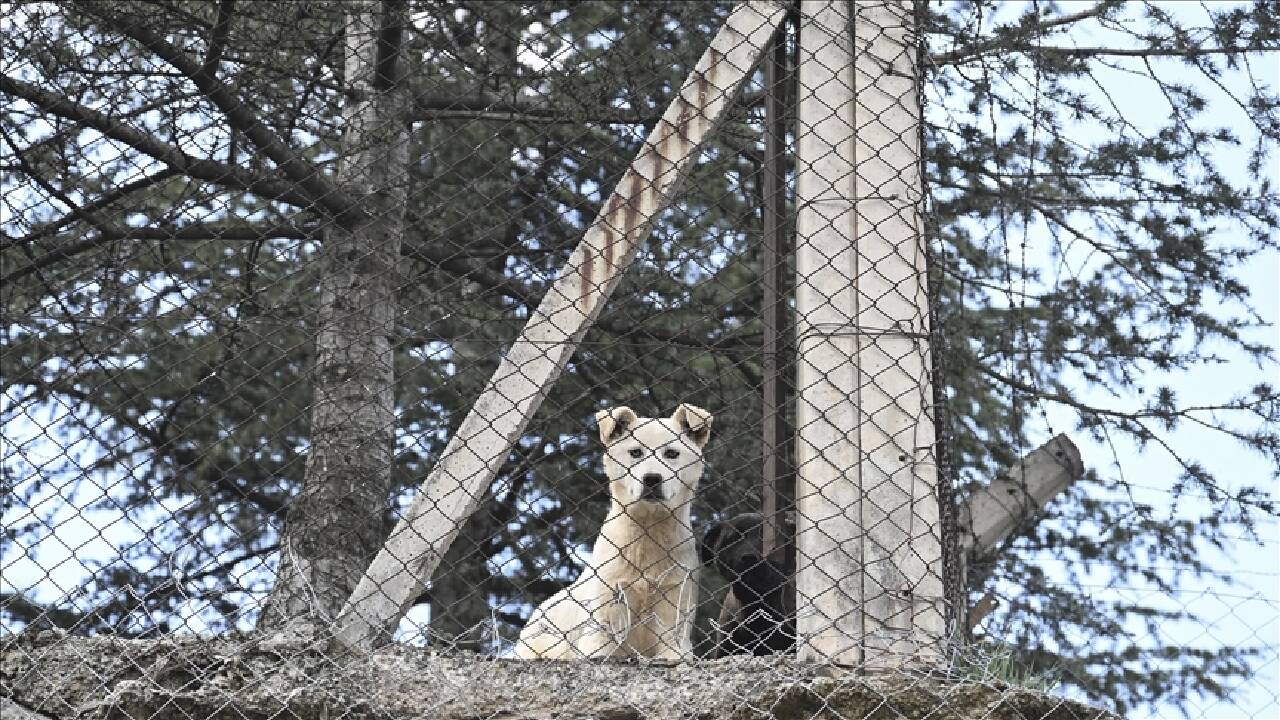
x=694, y=422
x=710, y=543
x=615, y=422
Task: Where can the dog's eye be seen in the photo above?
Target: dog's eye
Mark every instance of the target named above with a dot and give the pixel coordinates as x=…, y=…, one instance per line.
x=637, y=453
x=670, y=454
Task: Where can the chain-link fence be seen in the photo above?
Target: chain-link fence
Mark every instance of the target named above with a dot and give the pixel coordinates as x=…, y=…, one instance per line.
x=470, y=333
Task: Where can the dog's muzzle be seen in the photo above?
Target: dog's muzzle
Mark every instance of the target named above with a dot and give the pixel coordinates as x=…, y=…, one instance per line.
x=652, y=487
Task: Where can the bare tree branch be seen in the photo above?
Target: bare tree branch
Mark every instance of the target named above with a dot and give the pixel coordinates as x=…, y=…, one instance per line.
x=239, y=116
x=177, y=160
x=470, y=104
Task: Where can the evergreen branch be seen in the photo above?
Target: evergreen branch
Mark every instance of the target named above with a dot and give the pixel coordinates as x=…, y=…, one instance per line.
x=457, y=265
x=161, y=444
x=48, y=228
x=185, y=233
x=107, y=231
x=1088, y=52
x=1059, y=220
x=240, y=118
x=1088, y=202
x=998, y=44
x=217, y=172
x=227, y=565
x=122, y=116
x=201, y=231
x=1169, y=417
x=1149, y=414
x=481, y=106
x=510, y=618
x=174, y=157
x=54, y=192
x=22, y=607
x=18, y=605
x=1143, y=52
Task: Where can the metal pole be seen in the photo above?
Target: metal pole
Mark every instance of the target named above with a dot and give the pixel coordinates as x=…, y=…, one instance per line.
x=772, y=187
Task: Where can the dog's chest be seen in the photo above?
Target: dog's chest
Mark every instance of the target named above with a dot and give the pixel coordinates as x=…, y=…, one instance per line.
x=642, y=574
x=645, y=560
x=640, y=593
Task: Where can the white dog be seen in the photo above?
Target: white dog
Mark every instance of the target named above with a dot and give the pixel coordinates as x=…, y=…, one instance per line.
x=636, y=596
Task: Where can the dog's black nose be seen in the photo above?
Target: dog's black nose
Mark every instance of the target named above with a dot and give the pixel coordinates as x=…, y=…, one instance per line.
x=652, y=485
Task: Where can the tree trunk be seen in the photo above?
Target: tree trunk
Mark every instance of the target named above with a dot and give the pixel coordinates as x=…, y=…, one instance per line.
x=336, y=524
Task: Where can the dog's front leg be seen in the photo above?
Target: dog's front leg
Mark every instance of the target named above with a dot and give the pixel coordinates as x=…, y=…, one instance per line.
x=607, y=627
x=683, y=641
x=674, y=617
x=598, y=643
x=676, y=641
x=723, y=627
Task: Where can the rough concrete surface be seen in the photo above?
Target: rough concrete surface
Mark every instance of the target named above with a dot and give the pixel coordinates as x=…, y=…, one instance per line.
x=48, y=675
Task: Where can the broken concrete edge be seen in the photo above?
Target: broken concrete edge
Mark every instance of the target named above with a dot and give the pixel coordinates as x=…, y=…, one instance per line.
x=56, y=677
x=1018, y=495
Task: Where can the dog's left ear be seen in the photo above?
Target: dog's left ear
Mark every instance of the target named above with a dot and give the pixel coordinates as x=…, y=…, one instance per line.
x=694, y=422
x=615, y=422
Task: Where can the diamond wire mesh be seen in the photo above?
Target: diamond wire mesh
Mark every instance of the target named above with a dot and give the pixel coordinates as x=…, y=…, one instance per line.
x=261, y=259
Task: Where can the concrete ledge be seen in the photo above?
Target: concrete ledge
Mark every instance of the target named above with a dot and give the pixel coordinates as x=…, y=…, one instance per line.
x=226, y=678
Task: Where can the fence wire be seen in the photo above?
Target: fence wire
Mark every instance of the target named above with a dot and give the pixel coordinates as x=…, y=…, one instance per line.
x=274, y=272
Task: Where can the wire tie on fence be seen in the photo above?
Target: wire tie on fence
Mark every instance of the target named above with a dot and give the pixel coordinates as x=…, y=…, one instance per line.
x=855, y=330
x=892, y=197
